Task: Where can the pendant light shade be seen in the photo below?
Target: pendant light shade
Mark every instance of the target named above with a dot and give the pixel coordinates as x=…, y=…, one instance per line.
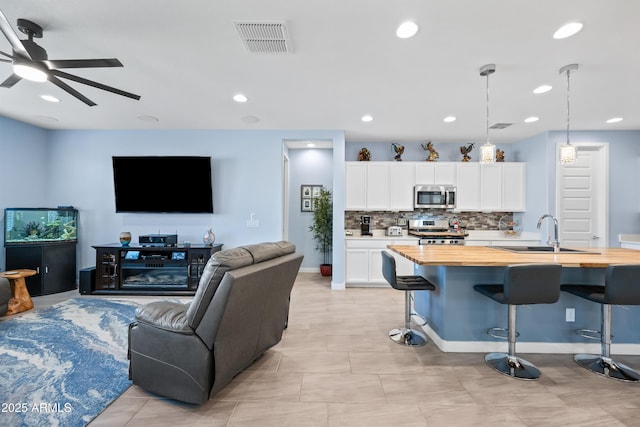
x=488, y=150
x=568, y=152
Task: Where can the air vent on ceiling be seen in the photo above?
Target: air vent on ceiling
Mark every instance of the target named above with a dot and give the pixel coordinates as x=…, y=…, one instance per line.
x=500, y=125
x=264, y=37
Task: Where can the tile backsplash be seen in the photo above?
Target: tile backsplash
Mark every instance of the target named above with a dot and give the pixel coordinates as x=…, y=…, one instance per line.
x=468, y=220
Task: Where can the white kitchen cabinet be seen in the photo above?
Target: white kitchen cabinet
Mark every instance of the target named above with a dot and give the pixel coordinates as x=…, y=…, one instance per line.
x=401, y=180
x=468, y=187
x=357, y=265
x=436, y=173
x=513, y=187
x=364, y=261
x=491, y=187
x=378, y=186
x=355, y=186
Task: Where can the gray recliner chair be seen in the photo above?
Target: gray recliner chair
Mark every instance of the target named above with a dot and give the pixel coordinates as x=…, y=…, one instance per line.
x=5, y=295
x=189, y=352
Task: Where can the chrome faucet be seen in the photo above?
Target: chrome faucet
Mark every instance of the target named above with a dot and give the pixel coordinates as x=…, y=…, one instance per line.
x=555, y=242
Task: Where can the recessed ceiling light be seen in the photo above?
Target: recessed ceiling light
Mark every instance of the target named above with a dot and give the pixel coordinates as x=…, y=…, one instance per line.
x=567, y=30
x=49, y=98
x=250, y=119
x=149, y=119
x=311, y=144
x=542, y=89
x=407, y=29
x=46, y=119
x=449, y=119
x=367, y=118
x=240, y=98
x=614, y=120
x=531, y=119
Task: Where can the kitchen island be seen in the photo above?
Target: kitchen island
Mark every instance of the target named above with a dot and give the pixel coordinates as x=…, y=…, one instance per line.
x=458, y=317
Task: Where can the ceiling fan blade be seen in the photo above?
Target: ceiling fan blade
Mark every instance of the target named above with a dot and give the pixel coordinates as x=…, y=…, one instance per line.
x=93, y=84
x=83, y=63
x=62, y=85
x=13, y=79
x=11, y=35
x=6, y=54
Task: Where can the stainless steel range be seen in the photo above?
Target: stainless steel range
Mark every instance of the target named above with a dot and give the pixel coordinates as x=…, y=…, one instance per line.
x=435, y=232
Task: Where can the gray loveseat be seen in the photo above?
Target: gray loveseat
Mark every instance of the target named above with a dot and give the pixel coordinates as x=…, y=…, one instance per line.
x=189, y=352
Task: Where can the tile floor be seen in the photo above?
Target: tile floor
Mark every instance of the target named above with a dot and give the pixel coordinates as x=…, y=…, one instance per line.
x=335, y=366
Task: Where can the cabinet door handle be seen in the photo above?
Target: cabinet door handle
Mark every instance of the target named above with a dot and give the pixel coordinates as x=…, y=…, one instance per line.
x=37, y=270
x=46, y=269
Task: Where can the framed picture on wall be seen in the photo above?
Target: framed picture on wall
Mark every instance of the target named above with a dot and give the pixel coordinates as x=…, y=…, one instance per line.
x=307, y=195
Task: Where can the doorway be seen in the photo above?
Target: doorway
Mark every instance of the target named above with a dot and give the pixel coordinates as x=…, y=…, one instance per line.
x=582, y=199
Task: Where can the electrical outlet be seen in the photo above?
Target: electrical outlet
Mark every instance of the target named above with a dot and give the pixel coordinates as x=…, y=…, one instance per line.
x=570, y=315
x=252, y=223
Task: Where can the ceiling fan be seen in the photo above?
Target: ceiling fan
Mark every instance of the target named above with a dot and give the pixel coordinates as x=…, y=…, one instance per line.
x=30, y=61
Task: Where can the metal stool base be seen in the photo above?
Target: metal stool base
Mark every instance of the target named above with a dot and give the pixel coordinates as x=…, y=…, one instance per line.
x=607, y=368
x=409, y=337
x=514, y=367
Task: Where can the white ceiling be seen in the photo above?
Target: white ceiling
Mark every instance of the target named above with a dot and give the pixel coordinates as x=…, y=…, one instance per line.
x=186, y=60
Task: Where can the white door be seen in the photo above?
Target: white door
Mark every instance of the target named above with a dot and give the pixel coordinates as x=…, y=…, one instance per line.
x=582, y=201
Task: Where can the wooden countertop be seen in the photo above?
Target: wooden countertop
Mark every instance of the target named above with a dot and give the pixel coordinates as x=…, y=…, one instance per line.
x=485, y=256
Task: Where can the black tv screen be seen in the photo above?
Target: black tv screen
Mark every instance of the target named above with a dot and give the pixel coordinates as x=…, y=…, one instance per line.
x=169, y=184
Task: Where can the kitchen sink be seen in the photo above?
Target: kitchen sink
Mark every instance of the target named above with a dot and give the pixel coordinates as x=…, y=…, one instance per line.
x=541, y=249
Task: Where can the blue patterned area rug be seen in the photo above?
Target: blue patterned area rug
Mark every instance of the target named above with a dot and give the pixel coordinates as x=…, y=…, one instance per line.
x=64, y=364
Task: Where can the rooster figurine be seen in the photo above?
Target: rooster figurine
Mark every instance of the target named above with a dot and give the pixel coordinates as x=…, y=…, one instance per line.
x=433, y=154
x=399, y=150
x=465, y=150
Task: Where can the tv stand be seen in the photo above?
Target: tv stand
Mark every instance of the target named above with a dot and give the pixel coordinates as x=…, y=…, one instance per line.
x=145, y=270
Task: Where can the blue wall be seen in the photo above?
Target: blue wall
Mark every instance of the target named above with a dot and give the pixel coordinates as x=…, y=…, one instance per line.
x=69, y=167
x=539, y=152
x=66, y=167
x=307, y=167
x=624, y=176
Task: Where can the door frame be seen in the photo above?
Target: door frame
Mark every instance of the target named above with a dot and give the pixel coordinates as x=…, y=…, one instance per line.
x=602, y=148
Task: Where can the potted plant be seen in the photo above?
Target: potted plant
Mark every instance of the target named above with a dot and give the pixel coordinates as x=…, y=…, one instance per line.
x=322, y=228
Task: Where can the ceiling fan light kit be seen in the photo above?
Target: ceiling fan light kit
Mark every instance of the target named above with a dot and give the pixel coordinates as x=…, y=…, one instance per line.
x=29, y=72
x=31, y=62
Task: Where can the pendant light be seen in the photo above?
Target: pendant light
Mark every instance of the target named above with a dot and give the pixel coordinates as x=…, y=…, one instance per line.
x=568, y=152
x=488, y=150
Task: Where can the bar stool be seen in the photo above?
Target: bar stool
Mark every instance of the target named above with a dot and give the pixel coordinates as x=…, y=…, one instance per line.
x=407, y=335
x=522, y=284
x=621, y=287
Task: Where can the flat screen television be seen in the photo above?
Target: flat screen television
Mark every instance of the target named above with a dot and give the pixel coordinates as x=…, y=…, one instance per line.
x=163, y=184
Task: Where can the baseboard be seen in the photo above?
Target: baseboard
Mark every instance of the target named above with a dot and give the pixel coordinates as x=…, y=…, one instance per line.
x=526, y=347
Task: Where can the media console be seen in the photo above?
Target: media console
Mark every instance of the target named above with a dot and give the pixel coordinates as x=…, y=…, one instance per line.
x=144, y=270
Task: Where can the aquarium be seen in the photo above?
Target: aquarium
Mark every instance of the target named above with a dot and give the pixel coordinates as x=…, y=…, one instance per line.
x=40, y=225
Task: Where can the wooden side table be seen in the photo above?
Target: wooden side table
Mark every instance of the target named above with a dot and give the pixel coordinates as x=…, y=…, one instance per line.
x=21, y=300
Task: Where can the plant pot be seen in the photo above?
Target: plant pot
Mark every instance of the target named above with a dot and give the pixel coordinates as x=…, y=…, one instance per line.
x=325, y=269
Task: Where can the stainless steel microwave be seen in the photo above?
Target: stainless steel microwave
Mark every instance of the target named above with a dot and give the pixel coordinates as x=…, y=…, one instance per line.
x=434, y=196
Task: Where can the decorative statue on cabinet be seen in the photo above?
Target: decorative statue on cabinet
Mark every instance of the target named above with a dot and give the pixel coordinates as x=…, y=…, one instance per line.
x=465, y=150
x=433, y=154
x=399, y=150
x=364, y=155
x=499, y=155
